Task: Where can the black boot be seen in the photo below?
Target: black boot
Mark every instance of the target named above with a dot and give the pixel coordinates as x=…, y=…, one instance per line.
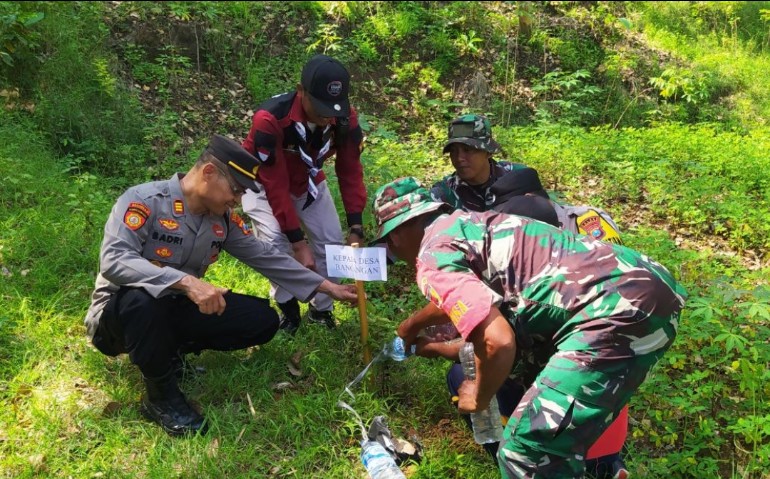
x=165, y=404
x=289, y=318
x=607, y=467
x=321, y=317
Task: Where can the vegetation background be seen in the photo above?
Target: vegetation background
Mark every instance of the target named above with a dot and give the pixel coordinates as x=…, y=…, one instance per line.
x=656, y=111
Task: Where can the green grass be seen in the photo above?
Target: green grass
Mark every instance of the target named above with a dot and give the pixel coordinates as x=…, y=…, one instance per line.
x=737, y=69
x=69, y=411
x=694, y=197
x=706, y=181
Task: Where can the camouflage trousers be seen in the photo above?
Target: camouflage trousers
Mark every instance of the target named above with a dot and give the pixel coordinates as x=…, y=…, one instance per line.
x=583, y=385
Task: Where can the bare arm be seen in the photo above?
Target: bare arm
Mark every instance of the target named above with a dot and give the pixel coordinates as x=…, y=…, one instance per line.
x=430, y=348
x=494, y=343
x=353, y=238
x=303, y=254
x=429, y=315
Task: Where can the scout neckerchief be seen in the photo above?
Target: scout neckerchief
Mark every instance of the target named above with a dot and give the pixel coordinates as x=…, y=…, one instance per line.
x=313, y=164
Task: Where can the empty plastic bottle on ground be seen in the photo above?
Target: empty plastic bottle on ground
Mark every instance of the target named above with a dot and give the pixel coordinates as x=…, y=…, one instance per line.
x=487, y=425
x=378, y=463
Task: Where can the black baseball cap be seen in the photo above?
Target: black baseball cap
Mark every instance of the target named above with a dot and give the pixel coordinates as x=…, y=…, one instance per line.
x=327, y=83
x=241, y=164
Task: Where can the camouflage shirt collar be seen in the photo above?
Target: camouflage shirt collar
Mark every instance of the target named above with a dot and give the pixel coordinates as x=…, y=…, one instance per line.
x=478, y=197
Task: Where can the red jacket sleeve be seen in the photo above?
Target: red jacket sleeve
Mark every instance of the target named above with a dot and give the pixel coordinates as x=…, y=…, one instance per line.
x=350, y=171
x=266, y=138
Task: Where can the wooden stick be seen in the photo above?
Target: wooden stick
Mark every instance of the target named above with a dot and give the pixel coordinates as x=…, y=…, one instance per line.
x=362, y=317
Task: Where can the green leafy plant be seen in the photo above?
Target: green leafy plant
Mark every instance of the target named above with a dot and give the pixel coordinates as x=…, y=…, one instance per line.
x=17, y=35
x=468, y=43
x=328, y=39
x=565, y=97
x=674, y=84
x=692, y=195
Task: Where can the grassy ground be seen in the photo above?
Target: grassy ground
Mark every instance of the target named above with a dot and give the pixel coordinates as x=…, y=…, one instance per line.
x=694, y=197
x=68, y=411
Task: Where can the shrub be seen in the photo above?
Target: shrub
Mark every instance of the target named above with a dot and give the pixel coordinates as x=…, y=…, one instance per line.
x=19, y=40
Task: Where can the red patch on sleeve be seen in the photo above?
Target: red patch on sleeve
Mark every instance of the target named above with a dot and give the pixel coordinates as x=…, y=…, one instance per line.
x=136, y=215
x=238, y=221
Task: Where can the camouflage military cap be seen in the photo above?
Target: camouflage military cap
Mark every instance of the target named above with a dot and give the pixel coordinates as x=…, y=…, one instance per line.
x=399, y=201
x=472, y=130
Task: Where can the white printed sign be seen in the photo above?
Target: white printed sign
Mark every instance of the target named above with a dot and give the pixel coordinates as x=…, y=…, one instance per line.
x=364, y=264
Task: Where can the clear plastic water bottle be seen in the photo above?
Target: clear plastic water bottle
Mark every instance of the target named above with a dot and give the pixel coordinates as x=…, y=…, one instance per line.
x=487, y=424
x=444, y=332
x=396, y=350
x=378, y=463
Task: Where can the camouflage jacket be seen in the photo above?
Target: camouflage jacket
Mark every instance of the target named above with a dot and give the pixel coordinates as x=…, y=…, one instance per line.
x=460, y=195
x=587, y=220
x=547, y=282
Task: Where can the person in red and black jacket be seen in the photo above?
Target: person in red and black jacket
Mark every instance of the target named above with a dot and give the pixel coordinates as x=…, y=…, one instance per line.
x=293, y=134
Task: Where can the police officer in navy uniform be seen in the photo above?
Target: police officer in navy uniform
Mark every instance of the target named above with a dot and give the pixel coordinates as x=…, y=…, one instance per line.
x=149, y=300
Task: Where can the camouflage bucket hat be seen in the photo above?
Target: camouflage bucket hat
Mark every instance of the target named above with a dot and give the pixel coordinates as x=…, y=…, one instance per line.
x=398, y=202
x=472, y=130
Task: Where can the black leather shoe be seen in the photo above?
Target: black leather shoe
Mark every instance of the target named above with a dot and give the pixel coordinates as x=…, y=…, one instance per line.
x=289, y=318
x=618, y=470
x=607, y=467
x=321, y=317
x=165, y=404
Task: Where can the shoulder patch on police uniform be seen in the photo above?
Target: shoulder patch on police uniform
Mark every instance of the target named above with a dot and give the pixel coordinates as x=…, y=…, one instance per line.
x=235, y=218
x=136, y=215
x=592, y=224
x=169, y=224
x=178, y=207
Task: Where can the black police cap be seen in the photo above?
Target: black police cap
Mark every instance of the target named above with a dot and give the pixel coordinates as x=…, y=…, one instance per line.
x=242, y=165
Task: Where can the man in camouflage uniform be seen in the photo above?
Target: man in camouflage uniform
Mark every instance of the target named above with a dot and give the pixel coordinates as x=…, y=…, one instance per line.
x=512, y=286
x=514, y=188
x=470, y=149
x=480, y=183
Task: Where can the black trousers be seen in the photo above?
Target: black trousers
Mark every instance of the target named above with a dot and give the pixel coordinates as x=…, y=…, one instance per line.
x=152, y=330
